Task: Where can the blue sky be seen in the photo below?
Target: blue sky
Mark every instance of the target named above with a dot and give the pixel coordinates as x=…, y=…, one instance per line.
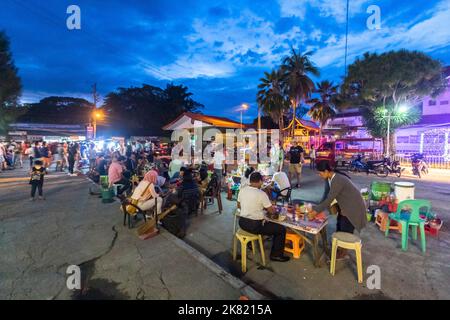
x=219, y=49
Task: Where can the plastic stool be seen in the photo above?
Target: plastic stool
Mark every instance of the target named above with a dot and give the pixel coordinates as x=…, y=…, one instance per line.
x=382, y=220
x=347, y=241
x=297, y=242
x=245, y=237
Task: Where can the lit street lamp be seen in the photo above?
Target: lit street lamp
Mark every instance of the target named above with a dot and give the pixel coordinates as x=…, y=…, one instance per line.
x=96, y=115
x=244, y=106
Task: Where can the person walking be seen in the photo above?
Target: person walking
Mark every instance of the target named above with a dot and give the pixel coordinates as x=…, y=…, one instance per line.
x=65, y=155
x=92, y=156
x=276, y=157
x=36, y=151
x=30, y=153
x=296, y=159
x=72, y=153
x=76, y=166
x=312, y=157
x=22, y=147
x=219, y=164
x=37, y=179
x=45, y=154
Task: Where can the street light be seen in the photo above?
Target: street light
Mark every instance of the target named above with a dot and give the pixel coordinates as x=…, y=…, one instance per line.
x=244, y=106
x=96, y=115
x=400, y=110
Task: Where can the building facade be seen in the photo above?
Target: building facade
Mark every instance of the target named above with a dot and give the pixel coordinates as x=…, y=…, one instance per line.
x=429, y=136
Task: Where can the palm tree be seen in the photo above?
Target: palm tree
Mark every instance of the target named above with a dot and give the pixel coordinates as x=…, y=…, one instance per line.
x=271, y=97
x=323, y=108
x=298, y=84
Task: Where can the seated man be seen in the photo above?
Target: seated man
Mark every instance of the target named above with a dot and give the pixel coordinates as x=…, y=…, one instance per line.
x=252, y=201
x=280, y=182
x=174, y=168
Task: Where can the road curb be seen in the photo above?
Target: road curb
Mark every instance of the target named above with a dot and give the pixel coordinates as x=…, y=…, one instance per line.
x=236, y=283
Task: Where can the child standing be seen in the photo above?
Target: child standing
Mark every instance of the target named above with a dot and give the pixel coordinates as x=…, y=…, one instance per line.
x=37, y=179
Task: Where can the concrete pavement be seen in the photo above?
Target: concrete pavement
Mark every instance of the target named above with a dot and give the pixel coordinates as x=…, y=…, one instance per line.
x=40, y=239
x=404, y=275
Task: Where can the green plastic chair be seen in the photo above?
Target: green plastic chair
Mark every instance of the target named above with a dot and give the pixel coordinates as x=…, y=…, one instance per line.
x=411, y=219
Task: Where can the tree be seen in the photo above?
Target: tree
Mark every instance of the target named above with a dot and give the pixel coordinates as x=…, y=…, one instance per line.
x=323, y=108
x=10, y=85
x=271, y=97
x=298, y=84
x=381, y=84
x=144, y=110
x=63, y=110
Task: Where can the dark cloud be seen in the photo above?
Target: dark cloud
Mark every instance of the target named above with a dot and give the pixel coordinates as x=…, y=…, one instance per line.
x=127, y=43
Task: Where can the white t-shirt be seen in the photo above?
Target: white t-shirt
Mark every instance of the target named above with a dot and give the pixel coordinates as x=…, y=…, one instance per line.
x=282, y=180
x=219, y=158
x=253, y=202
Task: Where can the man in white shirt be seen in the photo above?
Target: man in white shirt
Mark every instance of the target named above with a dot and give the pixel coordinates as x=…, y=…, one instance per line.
x=282, y=181
x=276, y=157
x=219, y=163
x=252, y=201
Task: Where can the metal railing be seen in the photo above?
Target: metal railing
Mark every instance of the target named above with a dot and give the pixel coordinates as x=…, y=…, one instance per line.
x=432, y=161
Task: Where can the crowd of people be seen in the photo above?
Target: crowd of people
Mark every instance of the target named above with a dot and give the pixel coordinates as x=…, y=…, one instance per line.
x=142, y=174
x=12, y=155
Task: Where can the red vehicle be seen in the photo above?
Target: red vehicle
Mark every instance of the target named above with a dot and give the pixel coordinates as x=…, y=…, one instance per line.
x=340, y=152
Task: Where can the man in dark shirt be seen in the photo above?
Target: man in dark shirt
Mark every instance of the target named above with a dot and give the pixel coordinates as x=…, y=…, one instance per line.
x=295, y=163
x=131, y=163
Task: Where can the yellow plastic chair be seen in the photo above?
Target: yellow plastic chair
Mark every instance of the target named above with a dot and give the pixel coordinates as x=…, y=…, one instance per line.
x=297, y=243
x=347, y=241
x=244, y=238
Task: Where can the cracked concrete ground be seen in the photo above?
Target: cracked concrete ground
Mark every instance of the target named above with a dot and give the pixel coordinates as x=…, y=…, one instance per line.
x=40, y=239
x=404, y=275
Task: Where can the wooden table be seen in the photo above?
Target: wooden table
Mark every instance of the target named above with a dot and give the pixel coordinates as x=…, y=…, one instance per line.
x=310, y=231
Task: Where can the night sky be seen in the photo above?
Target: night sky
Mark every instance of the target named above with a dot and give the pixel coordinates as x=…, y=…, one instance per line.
x=219, y=49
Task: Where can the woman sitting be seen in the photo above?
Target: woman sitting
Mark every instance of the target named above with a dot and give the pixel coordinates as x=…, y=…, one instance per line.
x=149, y=197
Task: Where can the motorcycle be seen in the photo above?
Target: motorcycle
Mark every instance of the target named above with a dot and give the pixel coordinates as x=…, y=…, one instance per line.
x=393, y=167
x=419, y=166
x=377, y=167
x=357, y=165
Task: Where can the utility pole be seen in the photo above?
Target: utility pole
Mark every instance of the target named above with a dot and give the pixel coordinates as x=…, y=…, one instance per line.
x=93, y=115
x=346, y=41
